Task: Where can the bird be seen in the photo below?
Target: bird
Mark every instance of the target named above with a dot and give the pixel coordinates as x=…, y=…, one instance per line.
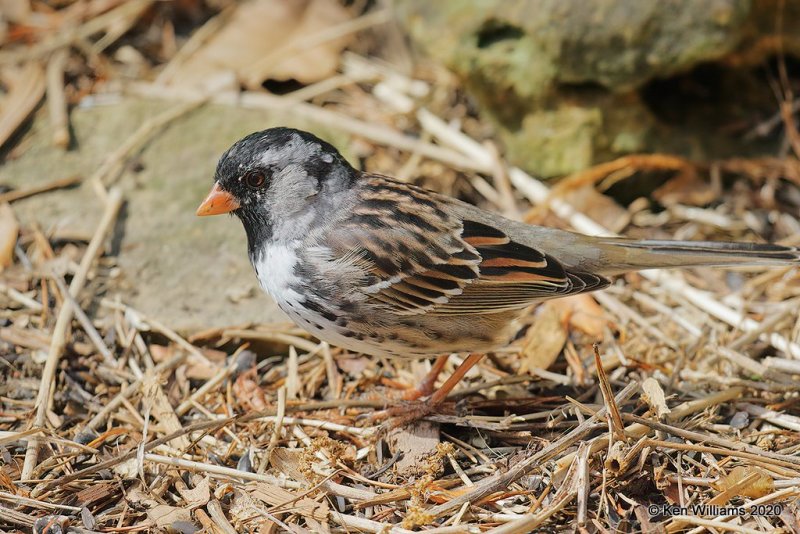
x=381, y=267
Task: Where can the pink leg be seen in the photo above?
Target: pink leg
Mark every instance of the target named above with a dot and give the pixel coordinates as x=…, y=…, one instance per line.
x=425, y=387
x=407, y=413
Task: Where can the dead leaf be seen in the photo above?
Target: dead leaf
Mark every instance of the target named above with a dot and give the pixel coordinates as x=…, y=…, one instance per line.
x=598, y=207
x=244, y=506
x=9, y=231
x=197, y=369
x=544, y=339
x=353, y=366
x=249, y=393
x=94, y=493
x=316, y=526
x=50, y=524
x=197, y=496
x=127, y=469
x=288, y=501
x=289, y=462
x=161, y=353
x=268, y=39
x=162, y=411
x=762, y=484
x=686, y=188
x=139, y=497
x=163, y=515
x=585, y=314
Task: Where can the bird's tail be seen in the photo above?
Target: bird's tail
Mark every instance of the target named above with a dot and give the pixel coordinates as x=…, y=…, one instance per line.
x=618, y=255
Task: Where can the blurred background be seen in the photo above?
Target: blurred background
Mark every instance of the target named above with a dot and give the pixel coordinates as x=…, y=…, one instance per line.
x=147, y=94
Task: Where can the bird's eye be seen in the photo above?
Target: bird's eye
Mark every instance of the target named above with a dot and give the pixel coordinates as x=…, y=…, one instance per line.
x=255, y=179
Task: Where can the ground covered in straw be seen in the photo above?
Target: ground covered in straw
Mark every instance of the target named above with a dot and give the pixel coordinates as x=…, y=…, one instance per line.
x=113, y=421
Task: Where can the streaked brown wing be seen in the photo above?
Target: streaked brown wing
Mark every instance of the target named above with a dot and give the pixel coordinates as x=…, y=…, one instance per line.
x=512, y=275
x=418, y=258
x=409, y=247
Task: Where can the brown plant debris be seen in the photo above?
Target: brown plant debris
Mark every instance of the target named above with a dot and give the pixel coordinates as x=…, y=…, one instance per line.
x=659, y=405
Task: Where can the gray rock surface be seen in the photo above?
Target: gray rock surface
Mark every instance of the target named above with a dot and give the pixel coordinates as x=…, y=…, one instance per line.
x=191, y=273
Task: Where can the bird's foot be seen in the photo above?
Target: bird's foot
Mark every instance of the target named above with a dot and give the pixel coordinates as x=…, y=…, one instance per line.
x=411, y=409
x=403, y=414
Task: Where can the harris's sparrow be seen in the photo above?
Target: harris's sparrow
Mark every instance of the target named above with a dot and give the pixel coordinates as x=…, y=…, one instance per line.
x=382, y=267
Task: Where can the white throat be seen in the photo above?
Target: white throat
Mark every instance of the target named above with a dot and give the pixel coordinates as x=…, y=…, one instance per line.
x=274, y=268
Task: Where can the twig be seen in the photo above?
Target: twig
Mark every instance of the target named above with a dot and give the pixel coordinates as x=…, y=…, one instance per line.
x=11, y=437
x=332, y=374
x=783, y=420
x=221, y=375
x=56, y=101
x=62, y=324
x=86, y=323
x=198, y=38
x=327, y=85
x=368, y=525
x=116, y=460
x=714, y=525
x=529, y=523
x=605, y=387
x=292, y=380
x=220, y=471
x=784, y=460
x=276, y=431
x=159, y=327
x=748, y=364
x=277, y=337
x=715, y=450
x=34, y=503
x=118, y=28
x=69, y=36
x=24, y=96
x=764, y=128
x=582, y=483
x=782, y=365
x=340, y=121
x=502, y=183
x=128, y=391
x=13, y=294
x=613, y=305
x=780, y=495
x=491, y=484
x=11, y=196
x=638, y=430
x=218, y=516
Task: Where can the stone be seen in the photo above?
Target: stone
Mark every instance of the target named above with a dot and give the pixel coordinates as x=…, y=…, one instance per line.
x=570, y=83
x=529, y=47
x=555, y=142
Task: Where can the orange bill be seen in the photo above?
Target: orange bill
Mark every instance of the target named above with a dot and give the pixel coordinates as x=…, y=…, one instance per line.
x=217, y=202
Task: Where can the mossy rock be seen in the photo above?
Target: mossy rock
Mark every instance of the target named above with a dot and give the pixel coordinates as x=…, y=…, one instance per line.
x=569, y=83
